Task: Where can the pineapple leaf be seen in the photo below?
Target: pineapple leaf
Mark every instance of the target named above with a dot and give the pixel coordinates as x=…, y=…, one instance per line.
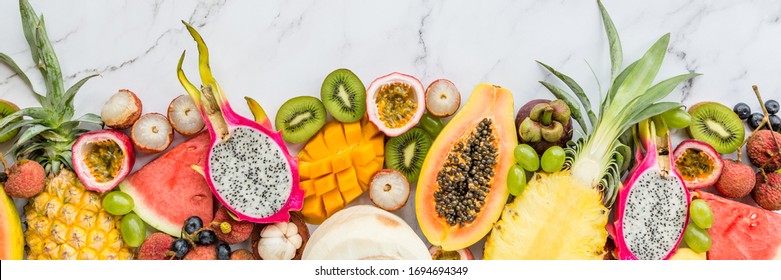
x=614, y=87
x=14, y=67
x=579, y=93
x=652, y=110
x=616, y=53
x=567, y=98
x=15, y=125
x=31, y=132
x=50, y=67
x=90, y=118
x=36, y=113
x=75, y=88
x=29, y=24
x=643, y=74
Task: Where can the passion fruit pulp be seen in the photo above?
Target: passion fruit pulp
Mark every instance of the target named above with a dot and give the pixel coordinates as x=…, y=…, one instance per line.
x=395, y=103
x=102, y=159
x=698, y=163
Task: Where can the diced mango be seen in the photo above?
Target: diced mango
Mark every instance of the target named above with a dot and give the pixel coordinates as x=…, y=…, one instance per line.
x=347, y=180
x=363, y=154
x=334, y=137
x=303, y=170
x=304, y=156
x=325, y=184
x=316, y=147
x=320, y=168
x=366, y=172
x=313, y=210
x=378, y=143
x=351, y=194
x=369, y=129
x=333, y=202
x=352, y=133
x=341, y=161
x=308, y=186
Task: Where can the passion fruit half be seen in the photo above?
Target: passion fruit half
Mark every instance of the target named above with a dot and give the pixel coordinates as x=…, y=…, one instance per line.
x=699, y=164
x=102, y=159
x=438, y=254
x=395, y=103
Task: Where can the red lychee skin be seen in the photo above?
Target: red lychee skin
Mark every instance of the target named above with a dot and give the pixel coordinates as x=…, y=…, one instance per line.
x=26, y=178
x=240, y=231
x=767, y=193
x=155, y=247
x=736, y=180
x=242, y=254
x=762, y=150
x=202, y=253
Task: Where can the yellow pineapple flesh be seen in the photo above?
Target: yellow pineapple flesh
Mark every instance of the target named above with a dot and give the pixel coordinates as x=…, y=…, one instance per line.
x=66, y=221
x=556, y=217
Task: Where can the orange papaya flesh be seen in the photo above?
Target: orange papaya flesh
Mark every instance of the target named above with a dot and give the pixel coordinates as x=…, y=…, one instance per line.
x=455, y=206
x=336, y=165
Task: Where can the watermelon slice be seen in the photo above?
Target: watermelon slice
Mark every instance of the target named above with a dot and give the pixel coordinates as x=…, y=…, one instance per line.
x=167, y=190
x=742, y=232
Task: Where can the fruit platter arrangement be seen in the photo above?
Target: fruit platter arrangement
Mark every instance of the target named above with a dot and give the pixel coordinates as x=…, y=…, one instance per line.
x=560, y=178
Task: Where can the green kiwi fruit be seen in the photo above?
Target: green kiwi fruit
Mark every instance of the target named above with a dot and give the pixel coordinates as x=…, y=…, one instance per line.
x=300, y=118
x=7, y=108
x=344, y=95
x=405, y=153
x=716, y=125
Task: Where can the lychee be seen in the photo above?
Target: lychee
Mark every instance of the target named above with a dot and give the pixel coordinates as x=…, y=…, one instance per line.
x=767, y=192
x=26, y=178
x=242, y=254
x=230, y=230
x=736, y=180
x=202, y=253
x=155, y=247
x=763, y=151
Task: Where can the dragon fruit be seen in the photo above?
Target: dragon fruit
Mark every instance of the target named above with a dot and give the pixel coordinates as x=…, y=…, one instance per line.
x=653, y=205
x=248, y=167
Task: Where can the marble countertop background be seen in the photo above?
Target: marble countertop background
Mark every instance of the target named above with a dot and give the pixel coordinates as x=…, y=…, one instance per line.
x=275, y=50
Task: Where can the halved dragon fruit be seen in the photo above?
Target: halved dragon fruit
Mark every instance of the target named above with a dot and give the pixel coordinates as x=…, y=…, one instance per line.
x=653, y=206
x=248, y=166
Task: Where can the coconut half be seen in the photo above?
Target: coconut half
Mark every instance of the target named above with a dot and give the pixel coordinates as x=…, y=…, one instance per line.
x=365, y=232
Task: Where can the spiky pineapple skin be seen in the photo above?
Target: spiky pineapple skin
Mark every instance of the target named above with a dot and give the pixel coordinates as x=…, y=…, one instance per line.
x=556, y=217
x=68, y=222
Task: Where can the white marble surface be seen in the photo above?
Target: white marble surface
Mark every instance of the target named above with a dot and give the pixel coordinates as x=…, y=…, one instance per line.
x=275, y=50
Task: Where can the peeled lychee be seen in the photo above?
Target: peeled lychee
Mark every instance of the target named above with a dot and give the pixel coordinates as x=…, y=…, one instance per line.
x=230, y=230
x=155, y=247
x=121, y=110
x=184, y=116
x=767, y=192
x=152, y=133
x=26, y=178
x=202, y=253
x=242, y=254
x=737, y=179
x=762, y=150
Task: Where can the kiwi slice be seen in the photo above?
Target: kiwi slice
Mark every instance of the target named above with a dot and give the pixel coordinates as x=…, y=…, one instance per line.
x=405, y=153
x=300, y=118
x=344, y=95
x=716, y=125
x=7, y=108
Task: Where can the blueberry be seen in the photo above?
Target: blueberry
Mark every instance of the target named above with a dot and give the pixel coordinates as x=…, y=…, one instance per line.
x=192, y=224
x=180, y=247
x=206, y=237
x=772, y=106
x=743, y=110
x=775, y=122
x=223, y=251
x=754, y=120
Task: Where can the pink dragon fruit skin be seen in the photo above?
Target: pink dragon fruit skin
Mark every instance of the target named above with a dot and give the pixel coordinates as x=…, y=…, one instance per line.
x=235, y=123
x=648, y=164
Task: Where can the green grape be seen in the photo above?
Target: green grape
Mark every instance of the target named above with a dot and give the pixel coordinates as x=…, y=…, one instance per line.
x=553, y=159
x=677, y=118
x=117, y=203
x=133, y=230
x=516, y=180
x=701, y=214
x=698, y=239
x=431, y=124
x=527, y=157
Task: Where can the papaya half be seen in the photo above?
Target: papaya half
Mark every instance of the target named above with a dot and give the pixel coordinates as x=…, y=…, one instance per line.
x=462, y=187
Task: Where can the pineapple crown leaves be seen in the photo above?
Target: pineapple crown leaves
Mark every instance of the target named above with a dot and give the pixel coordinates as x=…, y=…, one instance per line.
x=50, y=130
x=630, y=99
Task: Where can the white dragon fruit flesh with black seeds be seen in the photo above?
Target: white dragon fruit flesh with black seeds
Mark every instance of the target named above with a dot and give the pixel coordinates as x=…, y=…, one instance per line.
x=654, y=215
x=255, y=161
x=653, y=205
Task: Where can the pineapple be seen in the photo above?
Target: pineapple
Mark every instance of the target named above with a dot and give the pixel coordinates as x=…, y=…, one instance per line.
x=563, y=215
x=65, y=221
